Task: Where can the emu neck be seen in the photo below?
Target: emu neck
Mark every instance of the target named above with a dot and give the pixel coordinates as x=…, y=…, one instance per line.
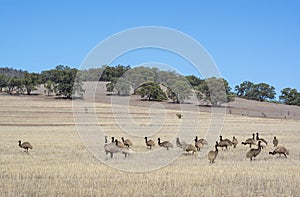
x=259, y=147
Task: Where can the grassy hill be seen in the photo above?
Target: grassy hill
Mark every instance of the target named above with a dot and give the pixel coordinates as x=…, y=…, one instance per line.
x=241, y=107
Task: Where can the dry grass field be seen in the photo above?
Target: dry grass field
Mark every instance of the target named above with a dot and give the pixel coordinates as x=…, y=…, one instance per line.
x=60, y=165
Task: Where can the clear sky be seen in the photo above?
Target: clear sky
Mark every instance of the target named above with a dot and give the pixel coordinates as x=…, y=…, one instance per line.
x=256, y=40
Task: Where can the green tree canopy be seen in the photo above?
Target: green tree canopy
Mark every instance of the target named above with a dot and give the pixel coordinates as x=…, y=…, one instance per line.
x=214, y=90
x=244, y=88
x=193, y=80
x=3, y=81
x=290, y=96
x=122, y=87
x=30, y=81
x=64, y=80
x=151, y=91
x=14, y=84
x=178, y=89
x=259, y=92
x=111, y=72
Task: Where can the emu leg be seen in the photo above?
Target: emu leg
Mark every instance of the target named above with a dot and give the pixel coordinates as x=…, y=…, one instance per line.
x=285, y=155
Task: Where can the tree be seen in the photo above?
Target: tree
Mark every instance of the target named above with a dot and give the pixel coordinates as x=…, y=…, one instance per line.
x=30, y=81
x=92, y=74
x=162, y=76
x=244, y=88
x=110, y=87
x=3, y=81
x=110, y=72
x=64, y=80
x=10, y=72
x=263, y=92
x=151, y=91
x=258, y=92
x=140, y=75
x=14, y=84
x=50, y=86
x=51, y=75
x=193, y=80
x=122, y=87
x=178, y=89
x=290, y=96
x=214, y=90
x=77, y=89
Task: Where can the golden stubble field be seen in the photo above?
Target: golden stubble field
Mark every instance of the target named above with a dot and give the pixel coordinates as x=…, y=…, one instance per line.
x=60, y=165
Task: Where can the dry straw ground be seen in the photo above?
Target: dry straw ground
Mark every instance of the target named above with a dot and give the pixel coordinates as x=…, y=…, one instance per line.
x=59, y=164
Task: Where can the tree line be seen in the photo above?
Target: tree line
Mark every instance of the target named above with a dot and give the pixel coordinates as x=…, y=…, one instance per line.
x=150, y=83
x=60, y=81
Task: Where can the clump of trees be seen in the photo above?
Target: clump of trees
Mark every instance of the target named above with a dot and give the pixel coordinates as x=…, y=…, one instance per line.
x=259, y=92
x=146, y=82
x=30, y=81
x=10, y=72
x=61, y=81
x=178, y=89
x=18, y=81
x=151, y=91
x=290, y=96
x=104, y=73
x=214, y=90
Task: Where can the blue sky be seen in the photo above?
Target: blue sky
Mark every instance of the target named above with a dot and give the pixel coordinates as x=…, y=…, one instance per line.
x=255, y=40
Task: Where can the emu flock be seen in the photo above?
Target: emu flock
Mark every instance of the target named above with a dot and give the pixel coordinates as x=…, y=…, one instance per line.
x=124, y=146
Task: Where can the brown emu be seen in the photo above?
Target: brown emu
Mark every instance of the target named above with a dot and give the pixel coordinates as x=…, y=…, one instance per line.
x=165, y=144
x=224, y=143
x=250, y=141
x=280, y=150
x=126, y=142
x=254, y=151
x=190, y=148
x=181, y=144
x=198, y=144
x=111, y=148
x=234, y=141
x=149, y=143
x=212, y=155
x=25, y=145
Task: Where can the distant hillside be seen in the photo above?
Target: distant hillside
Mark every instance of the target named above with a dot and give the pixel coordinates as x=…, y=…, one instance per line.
x=242, y=107
x=252, y=108
x=11, y=72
